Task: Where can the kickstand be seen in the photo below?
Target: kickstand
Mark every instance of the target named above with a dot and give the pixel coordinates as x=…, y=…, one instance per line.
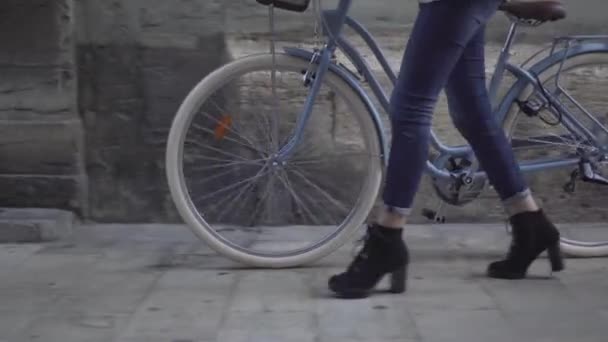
x=435, y=215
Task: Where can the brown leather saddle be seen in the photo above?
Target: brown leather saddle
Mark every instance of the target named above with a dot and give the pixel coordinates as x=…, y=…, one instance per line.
x=536, y=11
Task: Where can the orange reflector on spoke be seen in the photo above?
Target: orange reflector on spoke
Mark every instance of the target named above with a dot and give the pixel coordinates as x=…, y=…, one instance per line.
x=222, y=127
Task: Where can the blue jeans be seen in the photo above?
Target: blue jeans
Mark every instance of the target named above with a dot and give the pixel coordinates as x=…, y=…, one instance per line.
x=446, y=51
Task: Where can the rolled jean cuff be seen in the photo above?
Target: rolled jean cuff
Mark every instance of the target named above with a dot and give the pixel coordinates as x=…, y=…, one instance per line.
x=405, y=212
x=517, y=197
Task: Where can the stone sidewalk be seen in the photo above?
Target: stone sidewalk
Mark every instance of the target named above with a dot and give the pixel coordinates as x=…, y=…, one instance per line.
x=157, y=283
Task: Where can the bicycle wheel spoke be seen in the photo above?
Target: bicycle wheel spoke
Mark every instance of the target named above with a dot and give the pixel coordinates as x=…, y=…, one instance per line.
x=328, y=188
x=210, y=179
x=317, y=205
x=220, y=151
x=325, y=194
x=264, y=126
x=229, y=128
x=230, y=204
x=260, y=202
x=219, y=206
x=210, y=131
x=250, y=140
x=245, y=181
x=228, y=164
x=295, y=196
x=235, y=123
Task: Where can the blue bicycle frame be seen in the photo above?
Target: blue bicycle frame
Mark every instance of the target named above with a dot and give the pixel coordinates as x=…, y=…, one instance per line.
x=335, y=20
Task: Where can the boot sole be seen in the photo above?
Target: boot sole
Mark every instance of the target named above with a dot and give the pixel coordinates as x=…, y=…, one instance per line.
x=398, y=285
x=506, y=276
x=555, y=258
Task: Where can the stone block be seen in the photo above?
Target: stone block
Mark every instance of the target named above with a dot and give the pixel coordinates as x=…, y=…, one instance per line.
x=168, y=75
x=183, y=17
x=27, y=191
x=13, y=255
x=362, y=320
x=12, y=323
x=586, y=326
x=439, y=294
x=42, y=147
x=30, y=32
x=34, y=225
x=268, y=326
x=138, y=89
x=266, y=290
x=464, y=326
x=75, y=326
x=172, y=315
x=535, y=296
x=108, y=292
x=29, y=92
x=107, y=22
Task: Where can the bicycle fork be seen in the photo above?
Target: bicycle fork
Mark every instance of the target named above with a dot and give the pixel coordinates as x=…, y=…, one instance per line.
x=313, y=77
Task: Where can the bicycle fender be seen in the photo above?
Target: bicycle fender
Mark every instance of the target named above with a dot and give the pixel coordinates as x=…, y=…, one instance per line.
x=538, y=68
x=347, y=77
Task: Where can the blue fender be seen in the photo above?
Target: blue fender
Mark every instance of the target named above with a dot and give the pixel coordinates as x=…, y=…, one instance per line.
x=542, y=66
x=354, y=84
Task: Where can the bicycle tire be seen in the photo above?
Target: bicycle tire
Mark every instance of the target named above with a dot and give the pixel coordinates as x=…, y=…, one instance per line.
x=194, y=219
x=571, y=246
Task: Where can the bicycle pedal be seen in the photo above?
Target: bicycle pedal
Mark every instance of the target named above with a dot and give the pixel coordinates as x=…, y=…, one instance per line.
x=433, y=215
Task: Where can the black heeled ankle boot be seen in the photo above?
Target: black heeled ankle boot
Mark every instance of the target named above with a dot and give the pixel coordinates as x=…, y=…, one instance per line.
x=533, y=233
x=384, y=252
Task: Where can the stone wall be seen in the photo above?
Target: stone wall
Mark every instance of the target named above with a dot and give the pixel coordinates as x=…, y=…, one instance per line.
x=137, y=61
x=87, y=94
x=88, y=89
x=246, y=17
x=389, y=21
x=41, y=143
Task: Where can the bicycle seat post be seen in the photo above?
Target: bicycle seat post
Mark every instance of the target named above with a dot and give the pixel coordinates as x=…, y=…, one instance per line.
x=505, y=54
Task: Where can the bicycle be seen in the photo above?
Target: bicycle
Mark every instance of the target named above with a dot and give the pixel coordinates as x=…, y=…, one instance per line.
x=260, y=174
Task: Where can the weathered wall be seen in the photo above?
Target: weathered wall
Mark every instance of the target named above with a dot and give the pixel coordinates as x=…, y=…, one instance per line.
x=137, y=61
x=389, y=21
x=41, y=146
x=88, y=89
x=584, y=17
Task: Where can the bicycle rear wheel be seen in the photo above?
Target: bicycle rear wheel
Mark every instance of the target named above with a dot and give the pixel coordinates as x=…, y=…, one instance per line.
x=581, y=211
x=232, y=194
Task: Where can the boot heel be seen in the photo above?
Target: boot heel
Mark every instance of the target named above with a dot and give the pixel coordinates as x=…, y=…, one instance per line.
x=555, y=258
x=399, y=280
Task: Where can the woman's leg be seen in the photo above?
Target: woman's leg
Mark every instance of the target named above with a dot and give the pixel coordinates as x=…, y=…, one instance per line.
x=439, y=38
x=471, y=112
x=442, y=31
x=472, y=115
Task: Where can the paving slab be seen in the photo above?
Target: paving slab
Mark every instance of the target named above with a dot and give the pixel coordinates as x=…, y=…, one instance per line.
x=153, y=283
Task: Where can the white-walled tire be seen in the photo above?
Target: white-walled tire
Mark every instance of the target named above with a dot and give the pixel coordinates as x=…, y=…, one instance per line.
x=582, y=236
x=207, y=231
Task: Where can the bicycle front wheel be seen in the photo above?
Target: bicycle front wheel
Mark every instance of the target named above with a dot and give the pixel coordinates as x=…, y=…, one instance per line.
x=580, y=208
x=246, y=206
